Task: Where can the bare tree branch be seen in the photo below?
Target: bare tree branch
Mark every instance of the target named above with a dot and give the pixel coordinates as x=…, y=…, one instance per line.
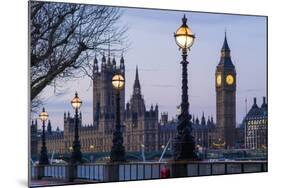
x=63, y=38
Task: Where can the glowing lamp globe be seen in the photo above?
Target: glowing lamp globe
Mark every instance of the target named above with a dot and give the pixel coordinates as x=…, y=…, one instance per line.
x=76, y=102
x=184, y=36
x=43, y=115
x=118, y=81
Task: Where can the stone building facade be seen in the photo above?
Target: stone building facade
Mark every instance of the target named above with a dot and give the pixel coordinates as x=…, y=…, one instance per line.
x=139, y=125
x=256, y=126
x=226, y=98
x=142, y=128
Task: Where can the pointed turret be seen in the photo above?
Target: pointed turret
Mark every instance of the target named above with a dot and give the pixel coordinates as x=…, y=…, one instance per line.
x=156, y=107
x=264, y=104
x=225, y=47
x=96, y=66
x=137, y=87
x=34, y=126
x=122, y=64
x=208, y=121
x=136, y=101
x=108, y=61
x=49, y=127
x=255, y=110
x=197, y=121
x=225, y=54
x=255, y=103
x=103, y=63
x=203, y=121
x=114, y=63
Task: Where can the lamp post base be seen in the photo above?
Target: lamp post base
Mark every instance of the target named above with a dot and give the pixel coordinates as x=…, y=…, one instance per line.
x=44, y=156
x=184, y=145
x=117, y=153
x=184, y=150
x=76, y=155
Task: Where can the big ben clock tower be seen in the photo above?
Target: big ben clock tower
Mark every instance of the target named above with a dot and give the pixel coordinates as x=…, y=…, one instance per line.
x=226, y=98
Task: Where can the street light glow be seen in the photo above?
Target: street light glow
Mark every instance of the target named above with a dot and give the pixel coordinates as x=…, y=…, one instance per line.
x=118, y=81
x=76, y=102
x=184, y=36
x=43, y=115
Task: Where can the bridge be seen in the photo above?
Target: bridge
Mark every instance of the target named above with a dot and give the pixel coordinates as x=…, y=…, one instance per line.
x=154, y=156
x=107, y=172
x=103, y=156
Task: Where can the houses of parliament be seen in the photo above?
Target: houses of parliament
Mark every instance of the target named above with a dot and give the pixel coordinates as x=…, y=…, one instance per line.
x=141, y=126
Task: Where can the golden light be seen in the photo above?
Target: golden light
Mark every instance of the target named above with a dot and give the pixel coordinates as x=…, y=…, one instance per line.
x=43, y=115
x=229, y=79
x=92, y=146
x=219, y=80
x=76, y=102
x=118, y=81
x=184, y=36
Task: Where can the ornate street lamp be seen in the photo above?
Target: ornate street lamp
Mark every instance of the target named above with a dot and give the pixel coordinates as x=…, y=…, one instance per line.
x=76, y=155
x=117, y=153
x=184, y=145
x=43, y=154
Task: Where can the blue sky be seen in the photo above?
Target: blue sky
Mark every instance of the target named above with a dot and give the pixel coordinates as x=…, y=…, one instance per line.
x=154, y=50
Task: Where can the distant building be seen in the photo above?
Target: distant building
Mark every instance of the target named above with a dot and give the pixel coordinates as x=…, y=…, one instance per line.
x=201, y=131
x=256, y=126
x=140, y=126
x=34, y=138
x=226, y=98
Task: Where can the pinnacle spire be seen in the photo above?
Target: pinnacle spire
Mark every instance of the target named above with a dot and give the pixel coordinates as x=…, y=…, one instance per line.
x=137, y=73
x=203, y=121
x=49, y=127
x=225, y=46
x=122, y=59
x=137, y=82
x=264, y=104
x=255, y=103
x=225, y=59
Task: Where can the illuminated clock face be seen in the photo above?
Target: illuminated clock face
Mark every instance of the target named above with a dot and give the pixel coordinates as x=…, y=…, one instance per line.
x=229, y=79
x=219, y=80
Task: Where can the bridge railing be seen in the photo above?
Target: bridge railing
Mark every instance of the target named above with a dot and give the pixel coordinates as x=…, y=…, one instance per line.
x=91, y=172
x=142, y=171
x=83, y=171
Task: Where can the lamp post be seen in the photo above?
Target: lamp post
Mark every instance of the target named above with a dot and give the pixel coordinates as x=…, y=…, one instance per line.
x=184, y=145
x=43, y=154
x=117, y=153
x=92, y=147
x=142, y=152
x=76, y=155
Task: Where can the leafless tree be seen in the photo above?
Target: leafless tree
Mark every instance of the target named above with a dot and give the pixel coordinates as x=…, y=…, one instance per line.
x=63, y=36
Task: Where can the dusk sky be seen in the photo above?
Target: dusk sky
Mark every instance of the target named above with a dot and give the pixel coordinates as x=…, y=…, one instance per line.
x=154, y=50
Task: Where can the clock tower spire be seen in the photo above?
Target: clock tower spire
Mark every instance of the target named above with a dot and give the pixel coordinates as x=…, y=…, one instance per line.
x=226, y=97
